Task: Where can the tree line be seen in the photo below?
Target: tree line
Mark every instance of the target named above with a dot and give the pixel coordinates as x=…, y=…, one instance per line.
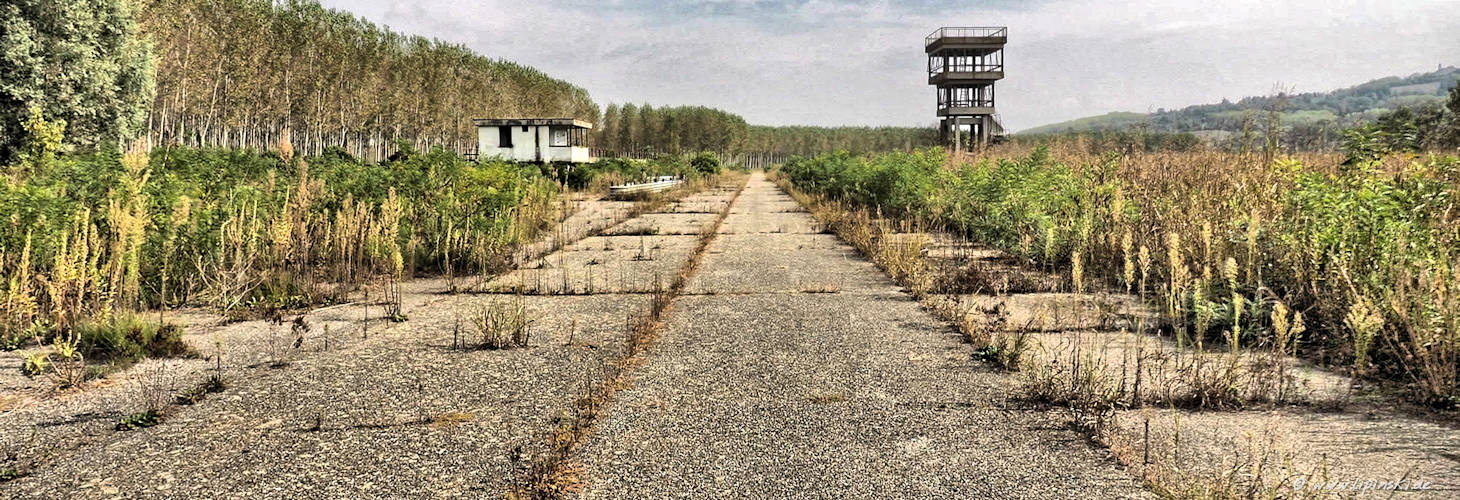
x=242, y=73
x=804, y=140
x=236, y=73
x=1310, y=121
x=633, y=129
x=75, y=61
x=640, y=129
x=1420, y=128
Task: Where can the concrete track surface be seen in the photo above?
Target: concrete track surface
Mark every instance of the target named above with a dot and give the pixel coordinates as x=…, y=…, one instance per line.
x=788, y=367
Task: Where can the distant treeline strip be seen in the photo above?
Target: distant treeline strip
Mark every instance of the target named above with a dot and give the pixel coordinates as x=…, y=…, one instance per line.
x=236, y=73
x=638, y=130
x=803, y=140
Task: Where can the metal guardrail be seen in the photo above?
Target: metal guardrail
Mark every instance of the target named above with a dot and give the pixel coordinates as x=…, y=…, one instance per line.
x=966, y=32
x=628, y=190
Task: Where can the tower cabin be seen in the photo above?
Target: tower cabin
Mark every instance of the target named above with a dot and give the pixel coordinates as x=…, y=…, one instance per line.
x=543, y=140
x=964, y=63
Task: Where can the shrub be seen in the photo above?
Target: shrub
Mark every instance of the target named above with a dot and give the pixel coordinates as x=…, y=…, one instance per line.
x=896, y=183
x=706, y=163
x=126, y=339
x=139, y=420
x=502, y=326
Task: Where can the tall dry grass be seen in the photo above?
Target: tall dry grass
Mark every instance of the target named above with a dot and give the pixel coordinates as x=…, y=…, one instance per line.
x=1359, y=248
x=94, y=237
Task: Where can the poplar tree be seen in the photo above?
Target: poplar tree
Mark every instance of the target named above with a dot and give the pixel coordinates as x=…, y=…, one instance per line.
x=78, y=62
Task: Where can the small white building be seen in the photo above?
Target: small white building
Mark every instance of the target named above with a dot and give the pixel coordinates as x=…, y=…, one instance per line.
x=561, y=140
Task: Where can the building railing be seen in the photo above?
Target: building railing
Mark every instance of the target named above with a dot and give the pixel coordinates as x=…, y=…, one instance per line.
x=632, y=190
x=965, y=103
x=937, y=68
x=967, y=32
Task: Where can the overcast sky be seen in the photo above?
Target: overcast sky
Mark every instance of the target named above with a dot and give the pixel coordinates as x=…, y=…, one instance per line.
x=861, y=62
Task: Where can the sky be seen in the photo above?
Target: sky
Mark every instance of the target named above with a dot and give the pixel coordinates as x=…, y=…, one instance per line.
x=861, y=62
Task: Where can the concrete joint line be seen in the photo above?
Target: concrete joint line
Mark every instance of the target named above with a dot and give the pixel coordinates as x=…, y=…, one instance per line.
x=554, y=474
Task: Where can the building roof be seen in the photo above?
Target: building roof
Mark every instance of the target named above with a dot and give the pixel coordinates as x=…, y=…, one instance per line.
x=513, y=122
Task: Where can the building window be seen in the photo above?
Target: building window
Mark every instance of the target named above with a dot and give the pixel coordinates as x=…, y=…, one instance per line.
x=504, y=137
x=558, y=137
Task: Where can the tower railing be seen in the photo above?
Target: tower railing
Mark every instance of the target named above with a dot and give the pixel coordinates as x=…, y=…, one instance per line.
x=966, y=32
x=936, y=68
x=965, y=102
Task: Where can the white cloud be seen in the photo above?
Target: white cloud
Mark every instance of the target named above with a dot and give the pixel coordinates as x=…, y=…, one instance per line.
x=861, y=63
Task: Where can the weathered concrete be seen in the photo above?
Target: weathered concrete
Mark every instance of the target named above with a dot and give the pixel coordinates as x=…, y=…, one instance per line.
x=337, y=413
x=852, y=392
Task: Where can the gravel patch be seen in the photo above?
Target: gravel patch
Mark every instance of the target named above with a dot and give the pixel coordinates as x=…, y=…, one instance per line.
x=632, y=264
x=769, y=204
x=663, y=223
x=827, y=396
x=589, y=216
x=399, y=412
x=770, y=222
x=785, y=263
x=1052, y=311
x=700, y=203
x=1300, y=448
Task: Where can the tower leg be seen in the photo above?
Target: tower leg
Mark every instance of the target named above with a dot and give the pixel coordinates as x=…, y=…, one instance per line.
x=984, y=127
x=957, y=135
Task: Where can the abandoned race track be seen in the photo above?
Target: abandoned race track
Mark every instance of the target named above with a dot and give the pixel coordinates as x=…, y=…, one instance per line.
x=787, y=366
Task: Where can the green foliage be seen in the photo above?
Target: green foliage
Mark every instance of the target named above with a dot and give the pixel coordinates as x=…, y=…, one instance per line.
x=10, y=341
x=997, y=201
x=1376, y=229
x=627, y=170
x=1453, y=103
x=139, y=420
x=79, y=62
x=705, y=163
x=897, y=183
x=36, y=364
x=1115, y=120
x=1004, y=200
x=211, y=385
x=126, y=339
x=1417, y=128
x=41, y=142
x=582, y=176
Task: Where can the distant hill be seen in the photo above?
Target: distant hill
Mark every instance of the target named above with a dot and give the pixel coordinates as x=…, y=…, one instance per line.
x=1340, y=108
